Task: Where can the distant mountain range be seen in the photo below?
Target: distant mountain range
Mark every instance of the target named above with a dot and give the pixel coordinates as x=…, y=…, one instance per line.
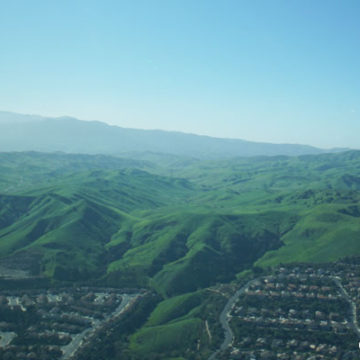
x=35, y=133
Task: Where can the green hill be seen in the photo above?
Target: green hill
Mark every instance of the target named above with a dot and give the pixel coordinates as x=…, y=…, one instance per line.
x=186, y=251
x=127, y=222
x=174, y=225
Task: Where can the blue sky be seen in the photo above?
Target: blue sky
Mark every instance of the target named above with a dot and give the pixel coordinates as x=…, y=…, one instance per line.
x=284, y=71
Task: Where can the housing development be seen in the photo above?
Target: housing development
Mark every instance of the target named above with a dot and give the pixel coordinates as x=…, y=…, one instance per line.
x=298, y=312
x=55, y=324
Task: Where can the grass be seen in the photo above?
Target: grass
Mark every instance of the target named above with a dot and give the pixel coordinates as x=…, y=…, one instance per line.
x=323, y=234
x=107, y=216
x=171, y=338
x=176, y=307
x=176, y=227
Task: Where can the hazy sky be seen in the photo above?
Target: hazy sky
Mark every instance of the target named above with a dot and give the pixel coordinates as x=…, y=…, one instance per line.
x=270, y=70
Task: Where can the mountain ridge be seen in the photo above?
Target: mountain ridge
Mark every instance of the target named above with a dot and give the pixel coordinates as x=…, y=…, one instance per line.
x=36, y=133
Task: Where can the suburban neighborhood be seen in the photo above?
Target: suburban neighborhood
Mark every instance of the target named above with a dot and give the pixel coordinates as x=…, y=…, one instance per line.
x=55, y=324
x=297, y=312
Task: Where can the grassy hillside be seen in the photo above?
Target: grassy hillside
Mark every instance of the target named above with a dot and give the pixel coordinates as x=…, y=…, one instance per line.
x=185, y=251
x=201, y=224
x=325, y=233
x=178, y=328
x=69, y=234
x=69, y=223
x=174, y=225
x=32, y=170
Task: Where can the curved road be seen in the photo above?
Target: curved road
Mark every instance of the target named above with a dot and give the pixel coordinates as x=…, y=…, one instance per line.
x=78, y=340
x=225, y=314
x=351, y=302
x=225, y=318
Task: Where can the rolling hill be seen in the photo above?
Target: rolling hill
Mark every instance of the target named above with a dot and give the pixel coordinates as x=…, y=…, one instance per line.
x=109, y=217
x=176, y=227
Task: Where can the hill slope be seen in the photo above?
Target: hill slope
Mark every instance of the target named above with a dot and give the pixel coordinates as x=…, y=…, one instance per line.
x=130, y=227
x=176, y=228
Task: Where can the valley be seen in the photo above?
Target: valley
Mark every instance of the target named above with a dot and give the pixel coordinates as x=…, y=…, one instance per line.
x=190, y=232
